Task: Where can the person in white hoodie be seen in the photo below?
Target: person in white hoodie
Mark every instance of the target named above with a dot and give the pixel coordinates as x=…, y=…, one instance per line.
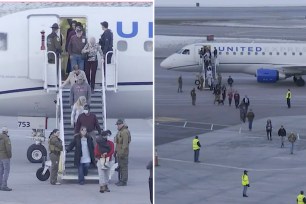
x=77, y=109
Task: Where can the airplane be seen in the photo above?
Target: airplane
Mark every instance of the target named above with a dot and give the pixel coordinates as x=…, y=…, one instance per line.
x=268, y=62
x=22, y=77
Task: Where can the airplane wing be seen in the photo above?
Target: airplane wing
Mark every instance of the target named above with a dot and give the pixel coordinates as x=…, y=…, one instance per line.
x=293, y=69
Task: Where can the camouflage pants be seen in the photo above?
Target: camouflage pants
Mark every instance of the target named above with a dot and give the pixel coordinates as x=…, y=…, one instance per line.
x=54, y=167
x=123, y=167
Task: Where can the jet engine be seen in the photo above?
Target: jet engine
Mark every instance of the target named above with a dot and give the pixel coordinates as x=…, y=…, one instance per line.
x=269, y=75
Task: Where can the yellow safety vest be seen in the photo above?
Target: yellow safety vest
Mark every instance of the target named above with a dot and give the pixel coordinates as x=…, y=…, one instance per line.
x=288, y=95
x=300, y=199
x=195, y=144
x=245, y=179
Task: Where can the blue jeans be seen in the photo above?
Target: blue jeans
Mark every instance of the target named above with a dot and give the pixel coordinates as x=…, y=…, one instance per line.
x=82, y=171
x=250, y=124
x=4, y=172
x=245, y=188
x=77, y=59
x=196, y=155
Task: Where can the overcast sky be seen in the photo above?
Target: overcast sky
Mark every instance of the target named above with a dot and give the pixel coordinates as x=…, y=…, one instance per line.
x=230, y=3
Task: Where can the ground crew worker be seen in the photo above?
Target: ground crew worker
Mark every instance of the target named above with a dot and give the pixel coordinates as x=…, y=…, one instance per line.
x=193, y=96
x=292, y=139
x=245, y=182
x=196, y=148
x=236, y=99
x=123, y=140
x=5, y=158
x=215, y=52
x=230, y=81
x=180, y=82
x=282, y=134
x=54, y=44
x=301, y=198
x=250, y=116
x=55, y=148
x=288, y=97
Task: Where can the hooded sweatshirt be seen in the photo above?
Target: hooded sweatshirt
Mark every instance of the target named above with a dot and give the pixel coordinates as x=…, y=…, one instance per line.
x=78, y=90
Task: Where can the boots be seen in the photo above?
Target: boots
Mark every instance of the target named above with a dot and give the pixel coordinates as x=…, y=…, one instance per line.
x=106, y=189
x=102, y=189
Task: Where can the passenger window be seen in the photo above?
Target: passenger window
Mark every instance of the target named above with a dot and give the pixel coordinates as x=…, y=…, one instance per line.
x=301, y=53
x=234, y=53
x=148, y=46
x=270, y=53
x=227, y=53
x=3, y=41
x=277, y=53
x=256, y=53
x=220, y=53
x=293, y=53
x=285, y=53
x=122, y=45
x=263, y=53
x=249, y=53
x=241, y=53
x=186, y=52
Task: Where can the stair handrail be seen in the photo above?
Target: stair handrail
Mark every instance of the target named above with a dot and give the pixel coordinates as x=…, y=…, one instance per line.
x=116, y=66
x=103, y=97
x=46, y=67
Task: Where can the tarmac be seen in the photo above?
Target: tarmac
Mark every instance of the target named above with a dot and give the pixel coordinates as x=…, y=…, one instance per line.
x=27, y=189
x=276, y=176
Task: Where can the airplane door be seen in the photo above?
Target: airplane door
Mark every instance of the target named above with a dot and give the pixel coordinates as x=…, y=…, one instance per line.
x=36, y=56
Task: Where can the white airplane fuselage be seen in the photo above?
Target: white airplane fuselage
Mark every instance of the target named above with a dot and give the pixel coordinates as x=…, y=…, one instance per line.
x=287, y=58
x=22, y=73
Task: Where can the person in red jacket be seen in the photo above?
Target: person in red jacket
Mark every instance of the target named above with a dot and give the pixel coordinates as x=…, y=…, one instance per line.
x=103, y=172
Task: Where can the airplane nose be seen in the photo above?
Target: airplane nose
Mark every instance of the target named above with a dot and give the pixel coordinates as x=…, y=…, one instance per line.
x=166, y=63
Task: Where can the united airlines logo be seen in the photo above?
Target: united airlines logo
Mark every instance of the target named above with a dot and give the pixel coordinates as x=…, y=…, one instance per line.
x=134, y=31
x=240, y=49
x=261, y=49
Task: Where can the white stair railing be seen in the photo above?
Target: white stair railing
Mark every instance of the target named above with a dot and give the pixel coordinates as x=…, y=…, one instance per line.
x=115, y=64
x=46, y=68
x=103, y=98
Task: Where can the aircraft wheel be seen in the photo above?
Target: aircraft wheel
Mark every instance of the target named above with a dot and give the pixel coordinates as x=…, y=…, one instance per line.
x=36, y=153
x=294, y=79
x=197, y=82
x=41, y=176
x=300, y=82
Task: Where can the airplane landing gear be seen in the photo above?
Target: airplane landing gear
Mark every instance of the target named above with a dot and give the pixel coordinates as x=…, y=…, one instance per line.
x=300, y=82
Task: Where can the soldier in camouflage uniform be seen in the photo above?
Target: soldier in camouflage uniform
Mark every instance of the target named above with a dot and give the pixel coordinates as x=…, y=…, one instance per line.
x=55, y=148
x=54, y=43
x=123, y=139
x=5, y=157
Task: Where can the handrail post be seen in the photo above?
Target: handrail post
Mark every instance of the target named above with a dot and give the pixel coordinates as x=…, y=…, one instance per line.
x=103, y=95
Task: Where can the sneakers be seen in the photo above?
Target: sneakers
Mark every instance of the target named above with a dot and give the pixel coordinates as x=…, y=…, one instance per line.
x=120, y=183
x=6, y=189
x=106, y=189
x=57, y=183
x=104, y=167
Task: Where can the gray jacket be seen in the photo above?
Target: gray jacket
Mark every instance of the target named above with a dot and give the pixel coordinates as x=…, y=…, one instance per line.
x=5, y=147
x=78, y=90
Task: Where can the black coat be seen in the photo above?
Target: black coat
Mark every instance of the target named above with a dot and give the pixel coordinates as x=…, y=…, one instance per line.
x=76, y=142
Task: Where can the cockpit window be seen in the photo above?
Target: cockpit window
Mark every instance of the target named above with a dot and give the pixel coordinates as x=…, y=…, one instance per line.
x=3, y=41
x=180, y=51
x=186, y=52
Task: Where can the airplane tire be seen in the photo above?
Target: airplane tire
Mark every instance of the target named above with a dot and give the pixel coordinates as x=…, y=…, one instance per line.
x=300, y=82
x=35, y=153
x=40, y=176
x=197, y=82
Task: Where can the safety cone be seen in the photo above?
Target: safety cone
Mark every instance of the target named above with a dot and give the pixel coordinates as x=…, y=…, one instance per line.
x=156, y=158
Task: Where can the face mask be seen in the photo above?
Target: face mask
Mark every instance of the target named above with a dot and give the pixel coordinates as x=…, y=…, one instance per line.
x=85, y=111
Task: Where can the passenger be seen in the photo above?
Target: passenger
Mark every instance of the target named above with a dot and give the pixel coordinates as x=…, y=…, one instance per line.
x=180, y=82
x=292, y=139
x=269, y=129
x=196, y=146
x=209, y=77
x=215, y=52
x=237, y=98
x=77, y=110
x=230, y=97
x=54, y=44
x=75, y=46
x=106, y=42
x=230, y=81
x=245, y=182
x=55, y=148
x=246, y=102
x=242, y=112
x=282, y=133
x=150, y=167
x=250, y=116
x=104, y=173
x=73, y=76
x=193, y=96
x=5, y=159
x=83, y=154
x=91, y=63
x=288, y=98
x=223, y=92
x=70, y=33
x=90, y=121
x=219, y=79
x=123, y=140
x=80, y=89
x=201, y=82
